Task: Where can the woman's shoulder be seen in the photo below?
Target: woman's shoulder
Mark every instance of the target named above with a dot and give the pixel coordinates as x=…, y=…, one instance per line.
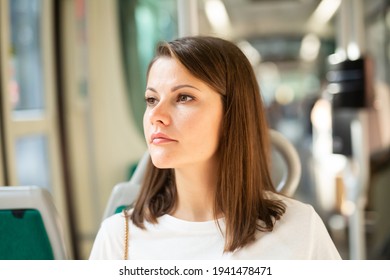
x=114, y=217
x=292, y=205
x=114, y=224
x=298, y=215
x=110, y=238
x=300, y=233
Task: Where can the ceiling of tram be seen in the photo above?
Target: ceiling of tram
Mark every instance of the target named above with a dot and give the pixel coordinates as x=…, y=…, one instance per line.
x=255, y=18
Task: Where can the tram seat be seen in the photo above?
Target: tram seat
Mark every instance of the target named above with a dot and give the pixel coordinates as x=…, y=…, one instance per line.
x=285, y=172
x=29, y=226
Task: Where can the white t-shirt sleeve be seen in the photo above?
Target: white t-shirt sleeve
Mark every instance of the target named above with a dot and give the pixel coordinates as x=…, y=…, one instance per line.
x=322, y=247
x=307, y=233
x=109, y=242
x=300, y=234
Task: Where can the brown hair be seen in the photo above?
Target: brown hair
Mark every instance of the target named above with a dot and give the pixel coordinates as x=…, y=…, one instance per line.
x=244, y=151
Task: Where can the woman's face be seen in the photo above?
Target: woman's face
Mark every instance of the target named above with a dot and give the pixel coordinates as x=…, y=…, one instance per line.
x=183, y=117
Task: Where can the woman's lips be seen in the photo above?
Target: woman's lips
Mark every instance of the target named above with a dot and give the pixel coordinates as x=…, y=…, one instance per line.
x=161, y=138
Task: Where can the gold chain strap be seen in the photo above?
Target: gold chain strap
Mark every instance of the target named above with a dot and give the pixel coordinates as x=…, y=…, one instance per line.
x=126, y=251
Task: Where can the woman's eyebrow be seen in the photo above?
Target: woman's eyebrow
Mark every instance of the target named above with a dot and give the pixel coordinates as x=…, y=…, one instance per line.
x=174, y=88
x=183, y=86
x=151, y=89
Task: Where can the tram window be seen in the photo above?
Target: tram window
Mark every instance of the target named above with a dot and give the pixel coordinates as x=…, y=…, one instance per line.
x=26, y=69
x=30, y=135
x=143, y=23
x=32, y=161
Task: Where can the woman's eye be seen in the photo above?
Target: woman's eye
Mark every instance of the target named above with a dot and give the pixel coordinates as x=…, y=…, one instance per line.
x=182, y=98
x=150, y=100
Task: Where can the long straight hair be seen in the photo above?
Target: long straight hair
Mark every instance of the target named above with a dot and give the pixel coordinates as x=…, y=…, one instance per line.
x=244, y=149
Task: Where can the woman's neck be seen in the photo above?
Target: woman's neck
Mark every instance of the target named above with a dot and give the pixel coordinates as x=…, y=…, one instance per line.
x=196, y=191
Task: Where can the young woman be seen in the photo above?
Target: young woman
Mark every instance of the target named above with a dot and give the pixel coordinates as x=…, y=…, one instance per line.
x=207, y=193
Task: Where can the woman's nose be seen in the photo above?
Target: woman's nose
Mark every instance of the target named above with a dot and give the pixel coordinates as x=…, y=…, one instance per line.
x=160, y=114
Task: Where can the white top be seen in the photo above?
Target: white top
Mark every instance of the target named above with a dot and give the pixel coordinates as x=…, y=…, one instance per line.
x=299, y=234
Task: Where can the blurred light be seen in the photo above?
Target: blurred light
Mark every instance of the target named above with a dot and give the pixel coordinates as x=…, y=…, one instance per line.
x=337, y=57
x=217, y=15
x=324, y=12
x=348, y=208
x=337, y=163
x=333, y=88
x=321, y=115
x=250, y=52
x=353, y=51
x=337, y=222
x=310, y=47
x=284, y=94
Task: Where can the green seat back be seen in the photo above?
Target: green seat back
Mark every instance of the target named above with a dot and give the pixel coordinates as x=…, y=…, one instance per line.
x=23, y=236
x=120, y=209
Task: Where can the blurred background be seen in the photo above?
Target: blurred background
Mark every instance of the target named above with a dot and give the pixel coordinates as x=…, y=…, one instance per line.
x=72, y=79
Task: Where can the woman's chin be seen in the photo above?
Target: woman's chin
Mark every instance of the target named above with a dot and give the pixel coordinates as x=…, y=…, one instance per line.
x=161, y=163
